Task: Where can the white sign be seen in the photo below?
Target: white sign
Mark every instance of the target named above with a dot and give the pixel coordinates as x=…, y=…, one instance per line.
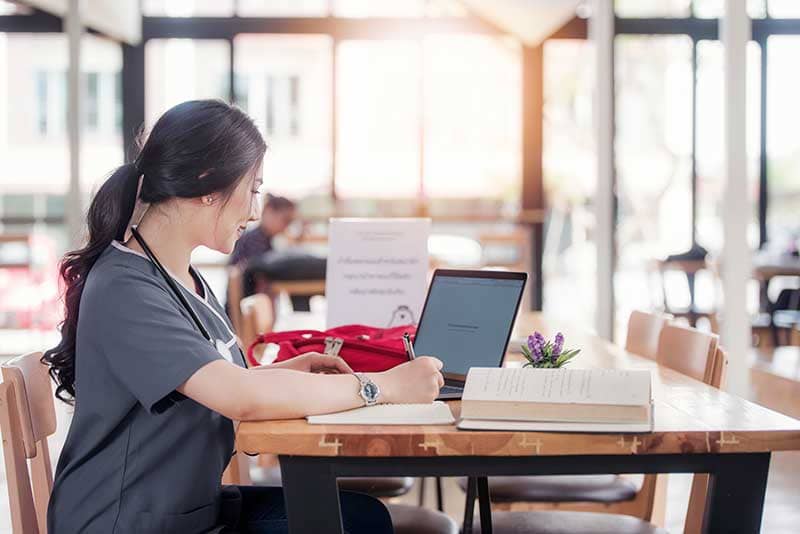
x=377, y=271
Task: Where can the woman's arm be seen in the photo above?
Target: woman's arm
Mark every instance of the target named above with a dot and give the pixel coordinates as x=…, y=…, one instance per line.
x=246, y=395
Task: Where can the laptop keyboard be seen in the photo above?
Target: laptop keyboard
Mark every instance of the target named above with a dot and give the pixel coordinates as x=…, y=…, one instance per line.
x=450, y=389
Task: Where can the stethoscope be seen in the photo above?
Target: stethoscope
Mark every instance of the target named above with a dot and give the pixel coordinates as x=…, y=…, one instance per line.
x=218, y=344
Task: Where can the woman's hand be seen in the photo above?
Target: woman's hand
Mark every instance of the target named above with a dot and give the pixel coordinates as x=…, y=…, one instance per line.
x=314, y=362
x=417, y=381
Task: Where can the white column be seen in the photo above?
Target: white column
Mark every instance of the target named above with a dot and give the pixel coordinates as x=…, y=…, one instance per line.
x=736, y=260
x=74, y=205
x=601, y=32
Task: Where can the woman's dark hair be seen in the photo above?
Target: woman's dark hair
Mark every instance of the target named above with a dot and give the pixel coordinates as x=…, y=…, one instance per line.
x=196, y=148
x=277, y=203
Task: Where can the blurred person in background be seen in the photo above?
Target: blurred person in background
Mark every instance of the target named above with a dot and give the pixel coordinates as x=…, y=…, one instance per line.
x=260, y=262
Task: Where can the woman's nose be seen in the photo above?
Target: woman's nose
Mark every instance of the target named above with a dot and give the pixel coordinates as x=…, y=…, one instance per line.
x=254, y=215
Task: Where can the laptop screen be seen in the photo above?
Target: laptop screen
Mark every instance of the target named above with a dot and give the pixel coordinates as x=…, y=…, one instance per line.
x=467, y=320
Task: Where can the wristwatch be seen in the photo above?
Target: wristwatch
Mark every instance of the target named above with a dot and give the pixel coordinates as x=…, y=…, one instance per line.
x=368, y=390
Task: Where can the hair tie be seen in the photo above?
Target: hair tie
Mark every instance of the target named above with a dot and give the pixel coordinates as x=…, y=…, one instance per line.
x=139, y=209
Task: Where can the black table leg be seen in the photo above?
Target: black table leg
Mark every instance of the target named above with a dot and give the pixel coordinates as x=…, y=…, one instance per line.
x=311, y=495
x=485, y=505
x=736, y=493
x=469, y=505
x=439, y=495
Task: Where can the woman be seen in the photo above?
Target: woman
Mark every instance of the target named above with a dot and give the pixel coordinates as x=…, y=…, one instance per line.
x=149, y=357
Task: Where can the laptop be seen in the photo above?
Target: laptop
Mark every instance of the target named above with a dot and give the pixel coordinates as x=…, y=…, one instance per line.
x=467, y=322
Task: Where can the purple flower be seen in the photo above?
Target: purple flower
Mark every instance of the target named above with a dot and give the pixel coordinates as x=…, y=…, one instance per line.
x=558, y=345
x=536, y=344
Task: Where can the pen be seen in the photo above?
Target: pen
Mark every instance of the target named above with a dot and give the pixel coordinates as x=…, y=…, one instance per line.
x=409, y=347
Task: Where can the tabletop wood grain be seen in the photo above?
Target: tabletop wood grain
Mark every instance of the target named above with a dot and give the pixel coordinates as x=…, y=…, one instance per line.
x=689, y=417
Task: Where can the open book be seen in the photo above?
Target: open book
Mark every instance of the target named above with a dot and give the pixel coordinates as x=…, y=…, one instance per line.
x=437, y=413
x=553, y=400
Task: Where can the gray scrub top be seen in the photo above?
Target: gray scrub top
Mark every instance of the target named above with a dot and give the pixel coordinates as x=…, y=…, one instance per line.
x=140, y=457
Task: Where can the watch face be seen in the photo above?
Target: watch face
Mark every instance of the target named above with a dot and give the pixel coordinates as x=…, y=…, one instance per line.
x=370, y=391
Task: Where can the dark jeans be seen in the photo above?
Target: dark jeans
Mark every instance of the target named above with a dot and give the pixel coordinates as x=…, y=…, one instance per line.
x=263, y=512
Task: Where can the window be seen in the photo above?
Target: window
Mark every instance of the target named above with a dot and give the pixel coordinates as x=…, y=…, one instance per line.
x=472, y=121
x=187, y=8
x=92, y=90
x=378, y=105
x=653, y=159
x=783, y=144
x=710, y=142
x=282, y=8
x=33, y=118
x=101, y=144
x=653, y=145
x=570, y=179
x=786, y=9
x=41, y=101
x=284, y=83
x=653, y=8
x=710, y=9
x=177, y=70
x=282, y=103
x=393, y=8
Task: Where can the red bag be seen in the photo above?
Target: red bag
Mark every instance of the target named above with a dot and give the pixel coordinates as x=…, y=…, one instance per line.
x=364, y=348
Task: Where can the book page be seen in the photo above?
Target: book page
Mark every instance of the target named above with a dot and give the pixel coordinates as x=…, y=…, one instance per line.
x=568, y=386
x=436, y=413
x=555, y=426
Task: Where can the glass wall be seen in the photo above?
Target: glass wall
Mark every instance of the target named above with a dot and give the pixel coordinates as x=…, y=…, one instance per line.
x=284, y=82
x=378, y=109
x=783, y=143
x=570, y=180
x=35, y=163
x=710, y=143
x=653, y=148
x=184, y=69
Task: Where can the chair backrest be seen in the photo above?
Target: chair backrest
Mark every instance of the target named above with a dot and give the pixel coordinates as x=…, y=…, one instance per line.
x=258, y=317
x=29, y=418
x=693, y=353
x=643, y=331
x=695, y=513
x=688, y=351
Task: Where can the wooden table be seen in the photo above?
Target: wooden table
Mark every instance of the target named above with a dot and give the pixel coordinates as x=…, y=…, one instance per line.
x=697, y=429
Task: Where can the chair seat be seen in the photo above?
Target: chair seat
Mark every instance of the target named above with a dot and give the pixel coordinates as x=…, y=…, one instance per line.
x=375, y=486
x=378, y=487
x=786, y=318
x=408, y=519
x=566, y=523
x=560, y=488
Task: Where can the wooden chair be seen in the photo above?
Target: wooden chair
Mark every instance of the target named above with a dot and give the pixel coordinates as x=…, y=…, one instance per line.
x=27, y=419
x=643, y=331
x=256, y=318
x=688, y=351
x=675, y=345
x=695, y=514
x=690, y=268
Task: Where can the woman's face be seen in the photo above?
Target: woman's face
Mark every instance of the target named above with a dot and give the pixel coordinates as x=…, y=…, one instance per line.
x=242, y=207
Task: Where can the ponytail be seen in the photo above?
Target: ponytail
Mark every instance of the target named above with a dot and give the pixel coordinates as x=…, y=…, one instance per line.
x=108, y=217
